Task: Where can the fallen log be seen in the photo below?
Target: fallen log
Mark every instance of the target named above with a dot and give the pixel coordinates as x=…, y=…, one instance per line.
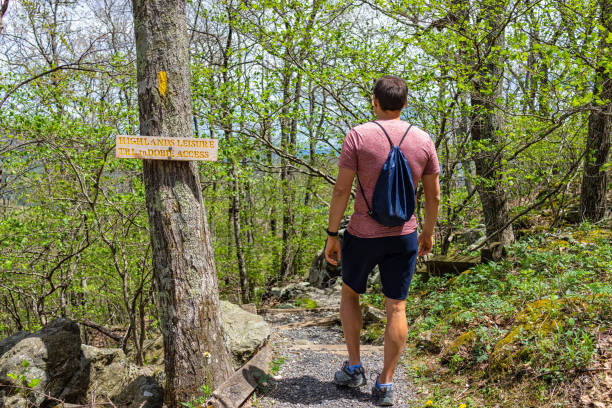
x=297, y=310
x=235, y=390
x=335, y=348
x=442, y=264
x=323, y=321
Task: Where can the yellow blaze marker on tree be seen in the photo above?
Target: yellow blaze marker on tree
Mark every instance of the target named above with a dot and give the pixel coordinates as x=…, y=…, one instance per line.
x=162, y=83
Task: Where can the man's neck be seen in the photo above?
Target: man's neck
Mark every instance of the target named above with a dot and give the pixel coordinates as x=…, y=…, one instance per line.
x=388, y=115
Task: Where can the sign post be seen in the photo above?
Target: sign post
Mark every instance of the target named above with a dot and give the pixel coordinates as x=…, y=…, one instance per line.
x=165, y=148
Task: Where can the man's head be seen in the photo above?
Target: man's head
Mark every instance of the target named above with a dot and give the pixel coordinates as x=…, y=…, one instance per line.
x=390, y=92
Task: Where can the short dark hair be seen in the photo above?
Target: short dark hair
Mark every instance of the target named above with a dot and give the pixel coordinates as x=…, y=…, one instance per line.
x=391, y=92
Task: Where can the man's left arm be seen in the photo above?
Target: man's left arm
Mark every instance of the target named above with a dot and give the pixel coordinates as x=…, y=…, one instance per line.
x=431, y=188
x=339, y=201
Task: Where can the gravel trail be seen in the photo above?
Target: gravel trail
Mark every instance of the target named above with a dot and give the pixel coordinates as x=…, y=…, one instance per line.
x=311, y=356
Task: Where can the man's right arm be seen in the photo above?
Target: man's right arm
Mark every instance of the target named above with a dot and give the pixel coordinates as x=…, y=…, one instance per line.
x=431, y=188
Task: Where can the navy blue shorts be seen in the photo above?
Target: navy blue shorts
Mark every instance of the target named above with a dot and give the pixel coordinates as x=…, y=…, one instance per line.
x=395, y=256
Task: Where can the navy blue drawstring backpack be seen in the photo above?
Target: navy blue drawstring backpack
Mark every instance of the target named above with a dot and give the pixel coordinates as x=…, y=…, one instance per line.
x=393, y=201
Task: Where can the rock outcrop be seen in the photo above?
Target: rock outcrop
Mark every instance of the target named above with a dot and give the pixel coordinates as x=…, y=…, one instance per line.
x=245, y=332
x=322, y=274
x=51, y=364
x=50, y=357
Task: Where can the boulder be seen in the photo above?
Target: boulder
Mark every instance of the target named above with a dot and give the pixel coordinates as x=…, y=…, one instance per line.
x=15, y=401
x=322, y=274
x=469, y=236
x=291, y=291
x=51, y=355
x=72, y=372
x=374, y=277
x=430, y=341
x=142, y=392
x=245, y=332
x=111, y=376
x=249, y=307
x=372, y=315
x=153, y=351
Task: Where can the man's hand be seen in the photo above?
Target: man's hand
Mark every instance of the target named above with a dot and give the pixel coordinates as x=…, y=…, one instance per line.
x=425, y=243
x=332, y=250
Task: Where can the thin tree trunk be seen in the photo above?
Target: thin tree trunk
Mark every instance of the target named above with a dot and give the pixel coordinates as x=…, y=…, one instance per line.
x=594, y=179
x=486, y=127
x=242, y=272
x=195, y=352
x=287, y=188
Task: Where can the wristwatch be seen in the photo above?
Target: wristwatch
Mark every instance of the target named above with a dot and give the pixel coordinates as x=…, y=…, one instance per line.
x=331, y=234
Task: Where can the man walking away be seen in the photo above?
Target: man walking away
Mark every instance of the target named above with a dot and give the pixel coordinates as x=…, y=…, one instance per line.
x=368, y=243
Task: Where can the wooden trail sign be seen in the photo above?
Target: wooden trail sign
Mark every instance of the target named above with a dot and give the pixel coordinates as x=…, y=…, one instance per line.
x=165, y=148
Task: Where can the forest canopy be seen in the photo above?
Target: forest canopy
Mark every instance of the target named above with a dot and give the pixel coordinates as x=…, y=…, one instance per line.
x=515, y=94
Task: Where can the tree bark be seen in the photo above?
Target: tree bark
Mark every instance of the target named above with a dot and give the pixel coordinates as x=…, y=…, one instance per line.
x=195, y=352
x=236, y=209
x=487, y=126
x=287, y=251
x=594, y=178
x=3, y=7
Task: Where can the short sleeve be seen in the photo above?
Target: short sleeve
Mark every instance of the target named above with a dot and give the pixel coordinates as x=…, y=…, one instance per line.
x=432, y=166
x=348, y=155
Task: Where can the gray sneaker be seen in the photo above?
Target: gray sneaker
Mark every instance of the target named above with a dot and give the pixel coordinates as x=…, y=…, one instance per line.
x=350, y=379
x=383, y=396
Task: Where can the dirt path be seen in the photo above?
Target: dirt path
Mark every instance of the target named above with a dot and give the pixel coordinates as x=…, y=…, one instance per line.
x=310, y=357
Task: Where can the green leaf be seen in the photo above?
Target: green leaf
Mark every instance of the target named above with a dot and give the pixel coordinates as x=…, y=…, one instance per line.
x=33, y=382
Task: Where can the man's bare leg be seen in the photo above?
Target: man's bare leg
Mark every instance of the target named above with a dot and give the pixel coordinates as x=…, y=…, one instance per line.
x=395, y=337
x=350, y=314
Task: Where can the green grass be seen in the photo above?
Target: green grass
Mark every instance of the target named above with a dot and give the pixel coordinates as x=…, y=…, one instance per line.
x=276, y=364
x=306, y=303
x=535, y=315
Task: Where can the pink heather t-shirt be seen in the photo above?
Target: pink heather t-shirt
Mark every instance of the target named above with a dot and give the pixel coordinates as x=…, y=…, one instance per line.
x=365, y=150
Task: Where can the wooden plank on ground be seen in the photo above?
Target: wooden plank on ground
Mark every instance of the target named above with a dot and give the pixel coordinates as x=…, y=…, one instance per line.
x=236, y=389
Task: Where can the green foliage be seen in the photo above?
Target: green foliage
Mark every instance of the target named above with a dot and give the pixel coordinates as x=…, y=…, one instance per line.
x=276, y=364
x=559, y=283
x=206, y=391
x=306, y=303
x=22, y=380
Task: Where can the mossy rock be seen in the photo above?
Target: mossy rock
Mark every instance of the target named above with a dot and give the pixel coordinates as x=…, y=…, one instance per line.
x=540, y=319
x=371, y=314
x=461, y=343
x=430, y=341
x=592, y=236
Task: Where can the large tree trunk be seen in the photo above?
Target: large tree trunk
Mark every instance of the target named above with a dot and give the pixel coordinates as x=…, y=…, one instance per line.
x=594, y=179
x=486, y=128
x=195, y=352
